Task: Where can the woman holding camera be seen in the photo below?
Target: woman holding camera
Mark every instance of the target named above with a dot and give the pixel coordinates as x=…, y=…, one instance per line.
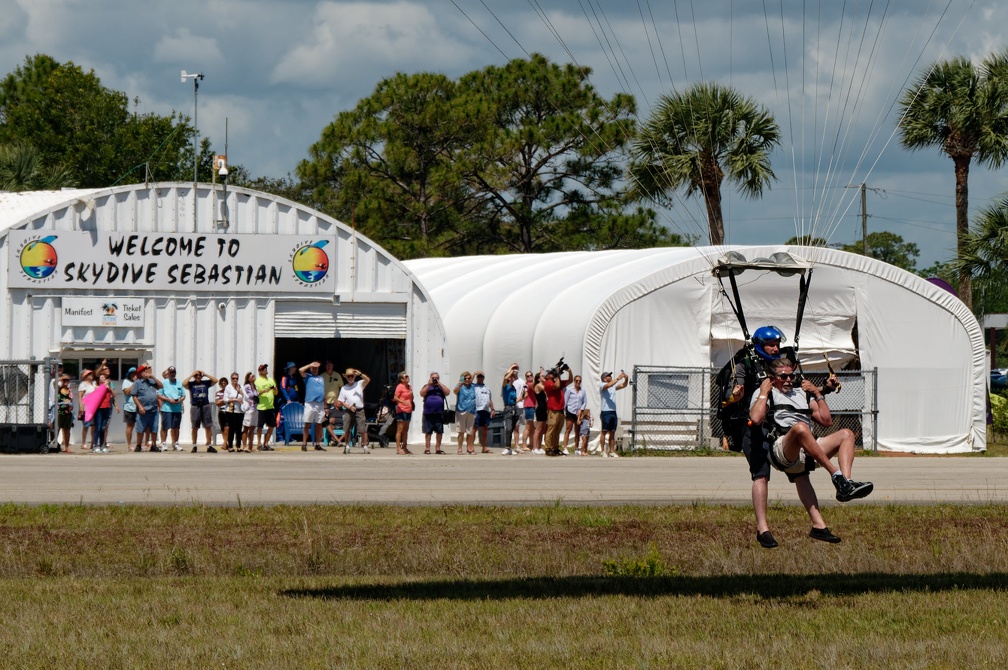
x=404, y=412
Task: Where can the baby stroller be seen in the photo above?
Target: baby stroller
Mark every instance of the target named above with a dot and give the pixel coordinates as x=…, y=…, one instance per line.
x=384, y=418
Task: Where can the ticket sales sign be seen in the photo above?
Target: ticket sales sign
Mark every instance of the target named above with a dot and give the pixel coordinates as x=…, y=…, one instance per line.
x=184, y=262
x=109, y=312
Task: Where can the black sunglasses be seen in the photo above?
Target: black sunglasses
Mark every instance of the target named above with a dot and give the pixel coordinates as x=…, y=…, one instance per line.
x=790, y=375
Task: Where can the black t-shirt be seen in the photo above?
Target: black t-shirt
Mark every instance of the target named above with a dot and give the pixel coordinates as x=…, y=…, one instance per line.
x=200, y=392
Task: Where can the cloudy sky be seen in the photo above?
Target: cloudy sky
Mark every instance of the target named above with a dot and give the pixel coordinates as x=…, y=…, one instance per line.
x=830, y=72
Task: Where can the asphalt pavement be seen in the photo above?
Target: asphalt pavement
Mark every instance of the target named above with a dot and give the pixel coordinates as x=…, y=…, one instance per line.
x=290, y=476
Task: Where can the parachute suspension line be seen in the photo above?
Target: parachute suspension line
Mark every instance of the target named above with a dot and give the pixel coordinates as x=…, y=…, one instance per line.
x=787, y=96
x=841, y=147
x=654, y=57
x=839, y=210
x=605, y=45
x=601, y=36
x=661, y=46
x=476, y=26
x=737, y=305
x=944, y=50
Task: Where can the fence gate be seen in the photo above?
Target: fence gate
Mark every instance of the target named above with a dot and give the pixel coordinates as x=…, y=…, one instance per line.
x=673, y=407
x=25, y=398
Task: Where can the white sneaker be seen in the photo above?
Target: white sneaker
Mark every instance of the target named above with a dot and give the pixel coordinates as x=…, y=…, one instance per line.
x=539, y=452
x=506, y=452
x=164, y=446
x=604, y=454
x=614, y=455
x=577, y=452
x=366, y=450
x=177, y=447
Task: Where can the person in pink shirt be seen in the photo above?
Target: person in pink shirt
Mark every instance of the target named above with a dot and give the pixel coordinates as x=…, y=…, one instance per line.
x=404, y=412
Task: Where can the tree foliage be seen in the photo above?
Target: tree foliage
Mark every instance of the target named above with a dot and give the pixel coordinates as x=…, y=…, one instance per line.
x=21, y=169
x=86, y=130
x=807, y=241
x=961, y=109
x=888, y=247
x=518, y=158
x=697, y=138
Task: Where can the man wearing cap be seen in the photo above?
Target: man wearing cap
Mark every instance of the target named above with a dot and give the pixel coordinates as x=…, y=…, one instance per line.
x=266, y=407
x=145, y=390
x=200, y=409
x=314, y=405
x=172, y=396
x=484, y=409
x=607, y=413
x=129, y=408
x=351, y=401
x=554, y=387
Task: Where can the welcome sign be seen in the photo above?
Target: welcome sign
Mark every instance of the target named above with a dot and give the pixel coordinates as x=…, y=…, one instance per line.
x=186, y=262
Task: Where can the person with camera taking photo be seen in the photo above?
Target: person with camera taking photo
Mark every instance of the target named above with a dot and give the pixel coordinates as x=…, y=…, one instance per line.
x=607, y=415
x=554, y=387
x=434, y=394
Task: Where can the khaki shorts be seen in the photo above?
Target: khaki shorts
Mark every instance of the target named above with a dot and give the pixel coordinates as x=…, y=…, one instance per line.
x=465, y=423
x=780, y=462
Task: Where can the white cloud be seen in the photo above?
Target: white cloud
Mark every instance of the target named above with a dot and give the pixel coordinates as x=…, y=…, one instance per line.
x=184, y=47
x=346, y=37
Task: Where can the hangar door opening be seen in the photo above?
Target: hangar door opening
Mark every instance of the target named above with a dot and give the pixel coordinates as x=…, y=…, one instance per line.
x=368, y=336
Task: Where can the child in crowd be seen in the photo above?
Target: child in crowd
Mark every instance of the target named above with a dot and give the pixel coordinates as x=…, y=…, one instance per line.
x=64, y=411
x=585, y=423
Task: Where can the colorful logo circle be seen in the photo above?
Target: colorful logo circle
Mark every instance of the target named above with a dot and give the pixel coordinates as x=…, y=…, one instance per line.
x=38, y=258
x=311, y=263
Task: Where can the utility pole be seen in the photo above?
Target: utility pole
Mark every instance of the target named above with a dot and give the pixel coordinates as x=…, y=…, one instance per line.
x=864, y=219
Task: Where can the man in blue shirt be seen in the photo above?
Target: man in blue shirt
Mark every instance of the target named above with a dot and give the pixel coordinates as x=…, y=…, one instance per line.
x=171, y=396
x=575, y=400
x=509, y=394
x=145, y=390
x=607, y=415
x=465, y=412
x=314, y=404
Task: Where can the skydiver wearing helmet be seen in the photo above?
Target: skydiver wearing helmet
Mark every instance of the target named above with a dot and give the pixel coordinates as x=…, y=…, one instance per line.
x=751, y=366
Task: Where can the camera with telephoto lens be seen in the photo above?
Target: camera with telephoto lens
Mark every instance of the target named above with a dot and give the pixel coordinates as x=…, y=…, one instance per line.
x=559, y=368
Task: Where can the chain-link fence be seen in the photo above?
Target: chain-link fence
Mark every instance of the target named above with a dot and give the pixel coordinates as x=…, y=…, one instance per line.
x=25, y=387
x=673, y=408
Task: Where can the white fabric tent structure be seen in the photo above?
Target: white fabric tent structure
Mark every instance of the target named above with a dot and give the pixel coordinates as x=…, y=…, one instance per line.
x=611, y=310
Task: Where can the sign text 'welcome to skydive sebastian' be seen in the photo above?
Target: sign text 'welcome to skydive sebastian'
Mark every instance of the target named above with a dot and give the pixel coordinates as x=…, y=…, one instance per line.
x=171, y=261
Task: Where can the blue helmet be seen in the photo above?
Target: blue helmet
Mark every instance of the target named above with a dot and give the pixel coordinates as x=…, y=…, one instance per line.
x=764, y=335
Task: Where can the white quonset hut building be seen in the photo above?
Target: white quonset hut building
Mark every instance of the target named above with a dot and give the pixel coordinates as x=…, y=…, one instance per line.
x=612, y=310
x=166, y=275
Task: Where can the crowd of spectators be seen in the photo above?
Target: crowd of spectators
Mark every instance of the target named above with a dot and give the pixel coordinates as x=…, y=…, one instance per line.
x=537, y=408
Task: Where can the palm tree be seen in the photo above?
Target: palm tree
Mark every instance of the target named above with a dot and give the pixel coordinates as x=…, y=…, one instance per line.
x=697, y=138
x=21, y=169
x=962, y=109
x=985, y=252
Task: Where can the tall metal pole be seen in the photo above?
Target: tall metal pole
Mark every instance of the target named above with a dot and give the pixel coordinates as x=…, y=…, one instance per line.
x=195, y=177
x=864, y=220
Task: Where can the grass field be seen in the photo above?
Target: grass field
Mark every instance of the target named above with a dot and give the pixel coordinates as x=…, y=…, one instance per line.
x=478, y=587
